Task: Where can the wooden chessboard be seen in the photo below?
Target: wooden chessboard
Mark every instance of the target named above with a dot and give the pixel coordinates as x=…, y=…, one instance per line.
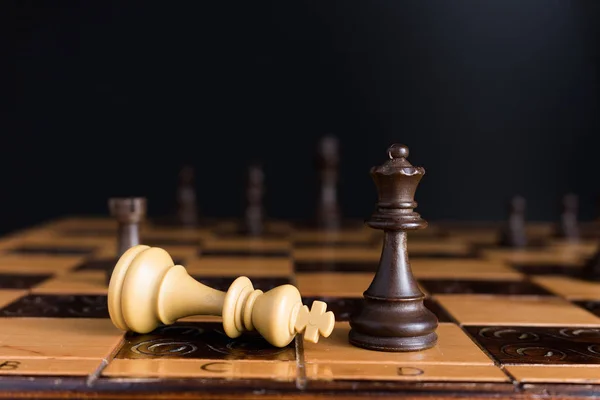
x=513, y=323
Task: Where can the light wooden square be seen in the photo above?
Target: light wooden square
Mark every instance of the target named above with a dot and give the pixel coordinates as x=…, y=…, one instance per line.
x=463, y=269
x=405, y=372
x=588, y=374
x=182, y=368
x=7, y=296
x=352, y=254
x=358, y=235
x=532, y=256
x=57, y=338
x=570, y=288
x=438, y=246
x=83, y=282
x=453, y=347
x=515, y=310
x=49, y=366
x=237, y=266
x=255, y=244
x=333, y=284
x=35, y=263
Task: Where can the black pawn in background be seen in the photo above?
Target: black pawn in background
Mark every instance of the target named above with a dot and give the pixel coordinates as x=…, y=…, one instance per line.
x=514, y=233
x=392, y=316
x=187, y=209
x=254, y=213
x=328, y=212
x=568, y=226
x=129, y=213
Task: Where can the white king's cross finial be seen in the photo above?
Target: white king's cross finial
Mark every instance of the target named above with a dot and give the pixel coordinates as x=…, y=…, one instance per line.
x=315, y=322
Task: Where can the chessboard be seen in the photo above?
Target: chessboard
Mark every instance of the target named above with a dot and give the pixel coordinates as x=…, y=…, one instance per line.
x=512, y=322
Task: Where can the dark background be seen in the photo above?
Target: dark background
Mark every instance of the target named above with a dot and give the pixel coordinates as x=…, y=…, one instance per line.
x=493, y=98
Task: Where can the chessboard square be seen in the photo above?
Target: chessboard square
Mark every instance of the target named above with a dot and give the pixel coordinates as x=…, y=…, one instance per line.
x=405, y=372
x=343, y=236
x=530, y=256
x=472, y=269
x=49, y=366
x=335, y=266
x=186, y=368
x=329, y=254
x=573, y=269
x=231, y=253
x=249, y=244
x=51, y=250
x=172, y=242
x=463, y=286
x=329, y=284
x=180, y=251
x=201, y=340
x=453, y=347
x=438, y=248
x=514, y=345
x=87, y=282
x=258, y=282
x=10, y=296
x=38, y=264
x=81, y=222
x=591, y=306
x=238, y=266
x=97, y=264
x=514, y=310
x=21, y=281
x=589, y=374
x=57, y=306
x=343, y=307
x=569, y=287
x=58, y=338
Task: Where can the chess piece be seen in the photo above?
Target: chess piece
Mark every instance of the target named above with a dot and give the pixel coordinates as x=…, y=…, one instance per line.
x=328, y=213
x=187, y=209
x=254, y=215
x=147, y=290
x=129, y=213
x=392, y=316
x=568, y=227
x=514, y=234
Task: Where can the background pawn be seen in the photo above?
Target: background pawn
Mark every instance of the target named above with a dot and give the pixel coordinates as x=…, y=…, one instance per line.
x=129, y=213
x=187, y=209
x=514, y=234
x=254, y=213
x=568, y=227
x=328, y=212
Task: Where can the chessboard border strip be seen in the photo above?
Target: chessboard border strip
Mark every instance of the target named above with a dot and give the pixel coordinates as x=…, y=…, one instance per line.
x=194, y=388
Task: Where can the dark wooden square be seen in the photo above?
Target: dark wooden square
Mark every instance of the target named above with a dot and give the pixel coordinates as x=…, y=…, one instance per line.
x=16, y=281
x=460, y=286
x=169, y=241
x=342, y=307
x=547, y=269
x=201, y=340
x=335, y=266
x=259, y=283
x=52, y=250
x=105, y=264
x=245, y=253
x=57, y=306
x=88, y=232
x=539, y=345
x=336, y=244
x=443, y=254
x=591, y=305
